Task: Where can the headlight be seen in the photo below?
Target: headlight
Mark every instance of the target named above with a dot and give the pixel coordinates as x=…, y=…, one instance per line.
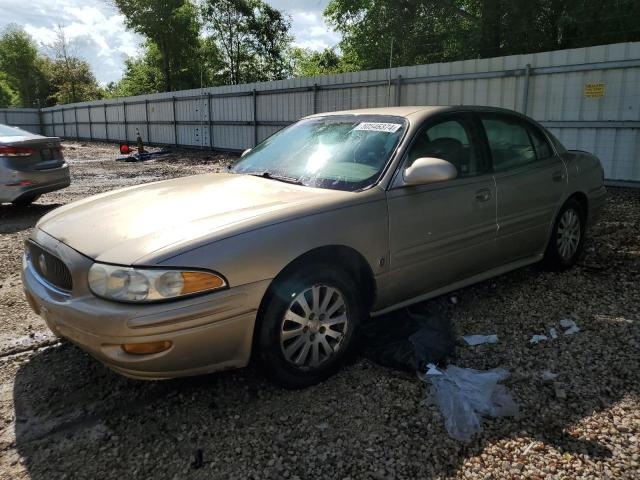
x=149, y=285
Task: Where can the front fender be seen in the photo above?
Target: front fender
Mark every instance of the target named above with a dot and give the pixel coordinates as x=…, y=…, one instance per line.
x=262, y=253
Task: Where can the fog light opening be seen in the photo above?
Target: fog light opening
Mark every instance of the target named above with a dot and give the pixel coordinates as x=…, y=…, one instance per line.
x=146, y=348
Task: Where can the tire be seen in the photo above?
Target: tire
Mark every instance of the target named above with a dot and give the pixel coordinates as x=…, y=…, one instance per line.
x=25, y=201
x=297, y=348
x=564, y=249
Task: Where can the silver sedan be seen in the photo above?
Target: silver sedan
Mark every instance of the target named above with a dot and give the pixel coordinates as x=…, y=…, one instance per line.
x=340, y=217
x=30, y=165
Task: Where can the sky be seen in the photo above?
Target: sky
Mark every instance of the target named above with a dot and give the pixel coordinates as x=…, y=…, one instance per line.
x=97, y=32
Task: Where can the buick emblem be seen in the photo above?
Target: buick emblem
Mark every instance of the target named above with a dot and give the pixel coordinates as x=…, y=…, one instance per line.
x=42, y=263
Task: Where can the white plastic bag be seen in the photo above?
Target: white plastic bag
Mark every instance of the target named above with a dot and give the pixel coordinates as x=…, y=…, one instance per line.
x=464, y=395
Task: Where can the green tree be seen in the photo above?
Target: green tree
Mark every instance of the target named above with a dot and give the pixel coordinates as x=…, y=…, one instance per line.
x=8, y=97
x=21, y=67
x=307, y=63
x=172, y=25
x=70, y=78
x=252, y=38
x=144, y=74
x=411, y=32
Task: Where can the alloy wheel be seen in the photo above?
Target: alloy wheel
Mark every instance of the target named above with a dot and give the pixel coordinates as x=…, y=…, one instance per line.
x=314, y=326
x=569, y=231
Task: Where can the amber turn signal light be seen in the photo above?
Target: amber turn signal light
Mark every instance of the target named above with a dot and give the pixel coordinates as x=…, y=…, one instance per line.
x=146, y=348
x=200, y=281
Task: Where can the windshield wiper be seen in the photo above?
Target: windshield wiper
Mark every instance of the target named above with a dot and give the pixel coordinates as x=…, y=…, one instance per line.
x=279, y=178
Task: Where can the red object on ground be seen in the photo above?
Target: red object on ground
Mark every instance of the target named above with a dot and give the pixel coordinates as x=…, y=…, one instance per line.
x=124, y=148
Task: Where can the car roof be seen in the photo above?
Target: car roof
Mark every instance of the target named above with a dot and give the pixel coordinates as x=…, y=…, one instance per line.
x=417, y=112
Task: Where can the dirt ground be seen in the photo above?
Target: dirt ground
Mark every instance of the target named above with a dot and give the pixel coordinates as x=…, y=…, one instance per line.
x=63, y=415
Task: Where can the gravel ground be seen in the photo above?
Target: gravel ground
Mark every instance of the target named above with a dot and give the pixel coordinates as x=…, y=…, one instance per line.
x=62, y=415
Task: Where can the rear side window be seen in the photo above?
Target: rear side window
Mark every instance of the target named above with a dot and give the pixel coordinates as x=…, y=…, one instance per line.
x=509, y=142
x=7, y=131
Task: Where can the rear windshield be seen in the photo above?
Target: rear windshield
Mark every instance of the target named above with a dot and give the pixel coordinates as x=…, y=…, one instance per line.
x=340, y=152
x=7, y=131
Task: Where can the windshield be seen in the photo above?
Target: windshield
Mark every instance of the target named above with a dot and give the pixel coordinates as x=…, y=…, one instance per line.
x=341, y=152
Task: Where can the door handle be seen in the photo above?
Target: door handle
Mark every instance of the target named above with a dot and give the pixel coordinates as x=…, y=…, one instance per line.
x=558, y=176
x=483, y=195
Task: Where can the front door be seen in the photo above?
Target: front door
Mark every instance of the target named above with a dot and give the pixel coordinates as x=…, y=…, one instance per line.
x=445, y=231
x=530, y=181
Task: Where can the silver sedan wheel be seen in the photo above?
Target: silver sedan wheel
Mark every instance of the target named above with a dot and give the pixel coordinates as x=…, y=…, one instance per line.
x=314, y=326
x=568, y=237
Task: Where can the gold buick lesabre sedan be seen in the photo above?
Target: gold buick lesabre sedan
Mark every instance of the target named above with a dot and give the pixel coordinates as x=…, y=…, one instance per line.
x=337, y=218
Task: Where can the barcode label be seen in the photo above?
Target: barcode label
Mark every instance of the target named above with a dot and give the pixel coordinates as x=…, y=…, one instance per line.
x=378, y=127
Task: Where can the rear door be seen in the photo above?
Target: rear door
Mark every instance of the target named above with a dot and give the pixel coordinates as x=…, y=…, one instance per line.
x=445, y=231
x=530, y=181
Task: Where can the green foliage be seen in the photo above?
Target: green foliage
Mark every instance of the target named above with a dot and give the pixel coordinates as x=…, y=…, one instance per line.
x=72, y=81
x=426, y=31
x=8, y=97
x=173, y=27
x=252, y=38
x=307, y=63
x=21, y=67
x=144, y=74
x=141, y=75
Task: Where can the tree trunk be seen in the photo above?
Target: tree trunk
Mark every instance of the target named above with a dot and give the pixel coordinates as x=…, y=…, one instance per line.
x=490, y=29
x=166, y=71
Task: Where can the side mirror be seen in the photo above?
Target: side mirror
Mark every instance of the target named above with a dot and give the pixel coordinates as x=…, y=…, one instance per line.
x=245, y=152
x=429, y=170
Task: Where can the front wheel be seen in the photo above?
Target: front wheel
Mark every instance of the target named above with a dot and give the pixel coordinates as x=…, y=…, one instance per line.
x=567, y=237
x=309, y=325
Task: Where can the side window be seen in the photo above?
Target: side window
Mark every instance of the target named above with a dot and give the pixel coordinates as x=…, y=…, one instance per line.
x=449, y=140
x=509, y=142
x=543, y=149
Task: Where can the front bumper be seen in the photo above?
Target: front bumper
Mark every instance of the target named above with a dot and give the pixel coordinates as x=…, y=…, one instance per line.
x=14, y=188
x=208, y=333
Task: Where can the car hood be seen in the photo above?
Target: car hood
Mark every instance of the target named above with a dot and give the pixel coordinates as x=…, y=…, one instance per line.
x=127, y=225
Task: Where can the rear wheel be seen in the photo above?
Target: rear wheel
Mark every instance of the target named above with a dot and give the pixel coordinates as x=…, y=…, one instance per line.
x=25, y=201
x=567, y=238
x=309, y=325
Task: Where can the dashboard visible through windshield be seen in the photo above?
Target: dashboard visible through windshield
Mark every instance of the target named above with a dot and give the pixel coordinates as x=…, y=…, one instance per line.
x=340, y=152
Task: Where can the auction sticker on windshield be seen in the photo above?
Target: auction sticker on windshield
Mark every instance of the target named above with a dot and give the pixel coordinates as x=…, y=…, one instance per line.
x=378, y=127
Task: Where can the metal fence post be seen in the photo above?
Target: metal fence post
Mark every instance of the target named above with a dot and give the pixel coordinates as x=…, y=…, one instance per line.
x=315, y=98
x=42, y=132
x=64, y=125
x=90, y=125
x=146, y=118
x=210, y=122
x=525, y=89
x=398, y=91
x=124, y=114
x=75, y=119
x=106, y=123
x=175, y=124
x=255, y=118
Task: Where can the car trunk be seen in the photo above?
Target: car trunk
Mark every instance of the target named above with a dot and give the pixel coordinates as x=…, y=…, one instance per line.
x=46, y=153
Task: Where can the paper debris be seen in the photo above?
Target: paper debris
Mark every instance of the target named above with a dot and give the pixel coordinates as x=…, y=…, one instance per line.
x=538, y=338
x=474, y=340
x=569, y=326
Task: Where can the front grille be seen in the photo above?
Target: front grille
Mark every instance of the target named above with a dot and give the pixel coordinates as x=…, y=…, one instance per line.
x=50, y=268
